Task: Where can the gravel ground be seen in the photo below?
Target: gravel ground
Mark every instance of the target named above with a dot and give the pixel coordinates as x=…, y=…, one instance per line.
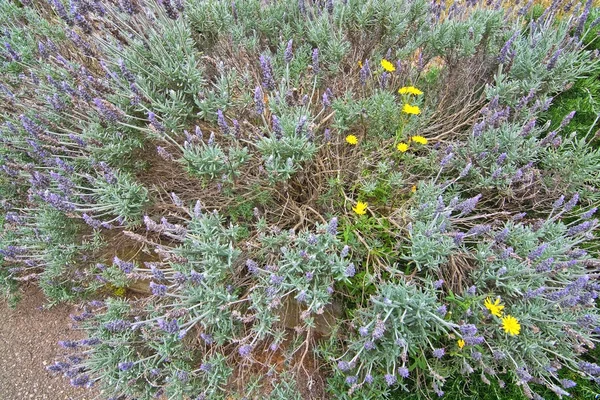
x=28, y=343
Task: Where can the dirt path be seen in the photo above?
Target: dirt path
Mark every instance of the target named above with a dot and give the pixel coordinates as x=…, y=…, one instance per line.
x=28, y=343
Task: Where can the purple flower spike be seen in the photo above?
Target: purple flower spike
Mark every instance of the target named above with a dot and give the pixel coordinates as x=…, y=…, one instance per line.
x=288, y=54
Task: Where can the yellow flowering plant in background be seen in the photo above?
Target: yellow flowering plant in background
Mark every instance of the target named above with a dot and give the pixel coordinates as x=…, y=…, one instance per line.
x=511, y=325
x=495, y=308
x=410, y=90
x=351, y=139
x=388, y=66
x=360, y=208
x=402, y=147
x=419, y=139
x=412, y=110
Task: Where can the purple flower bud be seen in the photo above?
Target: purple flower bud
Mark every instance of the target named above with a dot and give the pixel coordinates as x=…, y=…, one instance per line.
x=315, y=61
x=390, y=379
x=364, y=73
x=288, y=54
x=501, y=236
x=468, y=330
x=158, y=289
x=326, y=101
x=333, y=226
x=465, y=170
x=572, y=203
x=583, y=227
x=125, y=366
x=446, y=159
x=125, y=266
x=518, y=217
x=567, y=383
x=588, y=214
x=403, y=372
x=458, y=238
x=439, y=353
x=379, y=330
x=345, y=251
x=267, y=73
x=478, y=128
x=369, y=345
x=506, y=54
x=535, y=254
x=589, y=368
x=350, y=270
x=468, y=205
x=567, y=119
x=552, y=62
x=62, y=12
x=501, y=159
x=438, y=284
x=343, y=365
x=530, y=294
x=169, y=10
x=259, y=102
x=479, y=230
x=329, y=6
x=222, y=123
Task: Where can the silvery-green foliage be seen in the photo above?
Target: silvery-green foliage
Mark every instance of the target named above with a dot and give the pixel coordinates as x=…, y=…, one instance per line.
x=46, y=244
x=543, y=58
x=401, y=321
x=574, y=164
x=218, y=95
x=209, y=160
x=284, y=152
x=456, y=38
x=430, y=243
x=304, y=266
x=379, y=111
x=166, y=66
x=123, y=197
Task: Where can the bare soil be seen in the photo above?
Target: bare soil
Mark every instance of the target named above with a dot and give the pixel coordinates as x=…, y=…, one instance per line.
x=29, y=336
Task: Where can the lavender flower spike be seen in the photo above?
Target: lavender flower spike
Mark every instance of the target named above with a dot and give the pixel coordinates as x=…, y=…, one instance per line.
x=288, y=54
x=258, y=101
x=315, y=61
x=267, y=73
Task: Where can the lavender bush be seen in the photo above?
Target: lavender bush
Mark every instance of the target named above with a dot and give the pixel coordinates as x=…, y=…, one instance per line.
x=303, y=199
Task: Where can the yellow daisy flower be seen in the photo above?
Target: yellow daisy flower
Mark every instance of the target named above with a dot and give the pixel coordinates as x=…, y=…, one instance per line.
x=351, y=139
x=388, y=66
x=402, y=147
x=361, y=208
x=410, y=90
x=419, y=139
x=413, y=189
x=461, y=343
x=495, y=307
x=408, y=109
x=511, y=325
